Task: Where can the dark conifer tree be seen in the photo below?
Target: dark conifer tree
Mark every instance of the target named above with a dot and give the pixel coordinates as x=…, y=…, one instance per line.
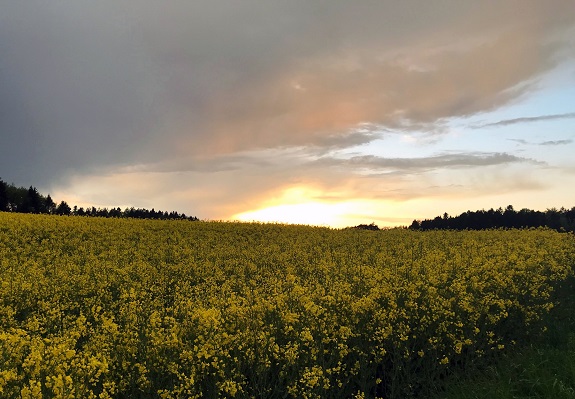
x=4, y=201
x=63, y=209
x=32, y=202
x=49, y=204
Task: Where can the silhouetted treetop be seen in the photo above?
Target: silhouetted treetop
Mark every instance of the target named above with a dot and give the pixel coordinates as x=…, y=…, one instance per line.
x=29, y=200
x=558, y=219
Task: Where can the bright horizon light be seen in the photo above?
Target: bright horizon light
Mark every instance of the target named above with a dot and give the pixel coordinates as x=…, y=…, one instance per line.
x=300, y=205
x=297, y=205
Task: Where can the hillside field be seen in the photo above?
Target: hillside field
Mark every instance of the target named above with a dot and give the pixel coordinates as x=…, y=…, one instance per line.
x=125, y=308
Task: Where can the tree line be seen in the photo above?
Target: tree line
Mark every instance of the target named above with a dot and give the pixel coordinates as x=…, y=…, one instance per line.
x=29, y=200
x=558, y=219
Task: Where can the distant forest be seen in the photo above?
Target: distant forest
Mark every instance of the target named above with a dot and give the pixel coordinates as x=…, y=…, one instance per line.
x=29, y=200
x=558, y=219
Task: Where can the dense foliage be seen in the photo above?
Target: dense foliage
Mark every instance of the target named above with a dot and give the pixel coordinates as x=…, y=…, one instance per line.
x=29, y=200
x=127, y=308
x=558, y=219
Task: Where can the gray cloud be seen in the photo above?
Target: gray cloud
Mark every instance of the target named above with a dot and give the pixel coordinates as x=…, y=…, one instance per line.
x=86, y=87
x=556, y=142
x=520, y=141
x=543, y=143
x=530, y=119
x=411, y=165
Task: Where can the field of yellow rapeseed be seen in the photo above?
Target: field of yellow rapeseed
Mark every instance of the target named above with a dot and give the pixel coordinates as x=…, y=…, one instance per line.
x=118, y=308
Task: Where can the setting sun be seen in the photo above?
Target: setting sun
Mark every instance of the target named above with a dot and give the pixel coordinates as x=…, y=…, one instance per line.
x=297, y=205
x=313, y=213
x=304, y=205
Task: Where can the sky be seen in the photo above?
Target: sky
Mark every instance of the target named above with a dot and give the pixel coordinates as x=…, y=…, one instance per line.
x=331, y=113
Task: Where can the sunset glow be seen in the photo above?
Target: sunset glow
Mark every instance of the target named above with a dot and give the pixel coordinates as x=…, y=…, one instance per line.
x=313, y=213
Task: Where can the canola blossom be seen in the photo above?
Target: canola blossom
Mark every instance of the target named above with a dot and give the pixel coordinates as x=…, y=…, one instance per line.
x=119, y=308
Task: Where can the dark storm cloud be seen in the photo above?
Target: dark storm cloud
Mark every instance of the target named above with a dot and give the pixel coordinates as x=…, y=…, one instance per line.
x=75, y=90
x=92, y=86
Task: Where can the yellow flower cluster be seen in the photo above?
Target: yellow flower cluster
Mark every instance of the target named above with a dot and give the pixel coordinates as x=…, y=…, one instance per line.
x=116, y=308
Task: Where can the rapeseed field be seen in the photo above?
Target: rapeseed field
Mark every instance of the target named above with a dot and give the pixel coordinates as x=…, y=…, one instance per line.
x=124, y=308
